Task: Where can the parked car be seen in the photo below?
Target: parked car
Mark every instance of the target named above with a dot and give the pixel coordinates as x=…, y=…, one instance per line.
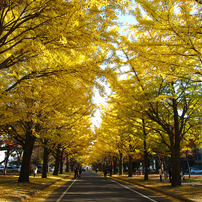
x=193, y=170
x=51, y=169
x=1, y=168
x=11, y=169
x=18, y=168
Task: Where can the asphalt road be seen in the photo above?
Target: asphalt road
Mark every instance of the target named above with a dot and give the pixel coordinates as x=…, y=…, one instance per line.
x=93, y=187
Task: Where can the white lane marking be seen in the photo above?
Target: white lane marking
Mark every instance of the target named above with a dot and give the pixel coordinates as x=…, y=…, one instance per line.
x=58, y=200
x=133, y=191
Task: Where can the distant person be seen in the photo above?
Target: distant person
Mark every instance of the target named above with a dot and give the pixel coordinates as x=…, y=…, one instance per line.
x=160, y=173
x=105, y=172
x=110, y=172
x=76, y=172
x=35, y=169
x=165, y=176
x=80, y=171
x=96, y=170
x=182, y=174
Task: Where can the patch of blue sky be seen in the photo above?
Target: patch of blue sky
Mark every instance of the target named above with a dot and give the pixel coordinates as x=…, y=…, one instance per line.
x=125, y=22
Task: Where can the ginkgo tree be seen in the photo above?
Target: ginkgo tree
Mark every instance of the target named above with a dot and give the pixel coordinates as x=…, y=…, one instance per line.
x=116, y=139
x=158, y=104
x=137, y=127
x=46, y=107
x=67, y=125
x=35, y=34
x=44, y=44
x=163, y=55
x=72, y=142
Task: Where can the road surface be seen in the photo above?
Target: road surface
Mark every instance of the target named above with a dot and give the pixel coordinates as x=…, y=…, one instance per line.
x=94, y=187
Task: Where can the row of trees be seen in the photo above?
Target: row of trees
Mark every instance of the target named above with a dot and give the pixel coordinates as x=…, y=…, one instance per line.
x=50, y=56
x=155, y=106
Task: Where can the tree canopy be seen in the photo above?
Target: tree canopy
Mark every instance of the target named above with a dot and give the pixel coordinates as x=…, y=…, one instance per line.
x=53, y=53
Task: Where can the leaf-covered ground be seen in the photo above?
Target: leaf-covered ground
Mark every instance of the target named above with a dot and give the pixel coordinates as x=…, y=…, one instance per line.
x=12, y=190
x=191, y=188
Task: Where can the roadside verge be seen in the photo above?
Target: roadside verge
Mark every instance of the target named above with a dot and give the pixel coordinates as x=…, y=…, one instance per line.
x=187, y=192
x=12, y=190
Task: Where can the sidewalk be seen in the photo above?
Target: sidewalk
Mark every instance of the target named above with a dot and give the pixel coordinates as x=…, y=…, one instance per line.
x=12, y=190
x=44, y=191
x=186, y=182
x=189, y=191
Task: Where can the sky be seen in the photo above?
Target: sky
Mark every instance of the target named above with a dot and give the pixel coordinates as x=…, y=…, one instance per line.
x=99, y=100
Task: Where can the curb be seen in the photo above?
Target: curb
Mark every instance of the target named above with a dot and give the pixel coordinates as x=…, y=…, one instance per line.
x=182, y=198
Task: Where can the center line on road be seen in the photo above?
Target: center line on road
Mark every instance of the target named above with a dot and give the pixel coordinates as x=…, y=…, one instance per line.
x=133, y=191
x=58, y=200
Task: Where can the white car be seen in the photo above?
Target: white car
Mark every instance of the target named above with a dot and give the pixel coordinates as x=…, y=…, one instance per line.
x=51, y=169
x=194, y=170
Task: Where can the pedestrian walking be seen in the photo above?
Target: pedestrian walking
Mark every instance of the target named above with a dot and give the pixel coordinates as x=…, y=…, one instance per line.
x=165, y=176
x=96, y=170
x=110, y=172
x=160, y=173
x=182, y=175
x=105, y=172
x=35, y=169
x=76, y=172
x=80, y=171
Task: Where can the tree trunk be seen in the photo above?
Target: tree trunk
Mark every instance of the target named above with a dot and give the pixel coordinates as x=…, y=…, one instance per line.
x=146, y=162
x=28, y=148
x=175, y=160
x=146, y=159
x=61, y=163
x=67, y=164
x=175, y=148
x=130, y=168
x=6, y=162
x=72, y=164
x=111, y=167
x=187, y=158
x=121, y=164
x=45, y=162
x=57, y=162
x=115, y=165
x=19, y=157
